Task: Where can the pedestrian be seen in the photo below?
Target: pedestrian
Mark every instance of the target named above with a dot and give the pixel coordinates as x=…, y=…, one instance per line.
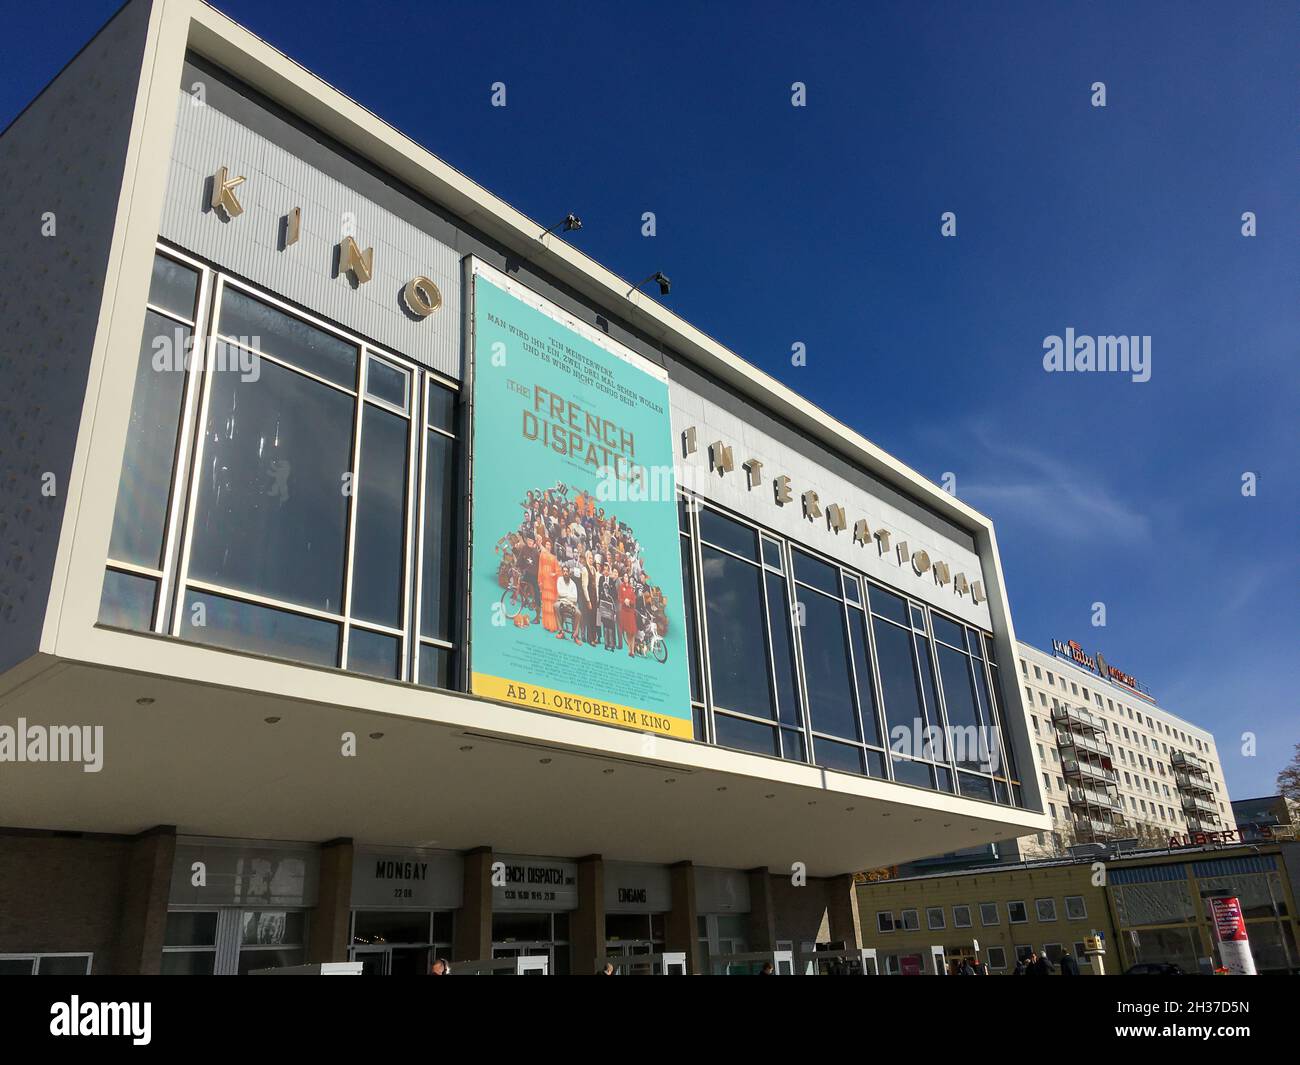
x=439, y=968
x=768, y=969
x=607, y=969
x=1021, y=969
x=1069, y=967
x=1042, y=965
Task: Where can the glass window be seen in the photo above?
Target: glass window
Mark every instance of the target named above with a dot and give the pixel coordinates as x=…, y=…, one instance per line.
x=897, y=677
x=973, y=787
x=730, y=535
x=440, y=496
x=1075, y=908
x=772, y=554
x=127, y=601
x=862, y=668
x=390, y=926
x=778, y=615
x=934, y=918
x=917, y=774
x=733, y=612
x=745, y=735
x=1016, y=913
x=173, y=287
x=385, y=381
x=688, y=603
x=240, y=626
x=839, y=756
x=946, y=630
x=961, y=917
x=378, y=572
x=887, y=604
x=144, y=488
x=435, y=666
x=374, y=653
x=884, y=921
x=187, y=928
x=272, y=511
x=911, y=921
x=989, y=914
x=816, y=574
x=267, y=329
x=997, y=958
x=826, y=666
x=1046, y=909
x=442, y=408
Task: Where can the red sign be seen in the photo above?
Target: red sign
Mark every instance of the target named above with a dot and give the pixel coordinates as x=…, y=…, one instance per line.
x=1229, y=925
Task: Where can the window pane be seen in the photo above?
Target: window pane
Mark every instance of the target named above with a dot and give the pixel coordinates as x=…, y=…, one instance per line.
x=866, y=691
x=435, y=666
x=918, y=618
x=733, y=614
x=897, y=676
x=907, y=771
x=189, y=963
x=127, y=601
x=778, y=615
x=837, y=756
x=442, y=408
x=377, y=567
x=688, y=601
x=973, y=787
x=772, y=553
x=876, y=763
x=186, y=929
x=272, y=513
x=826, y=666
x=815, y=573
x=173, y=287
x=147, y=462
x=887, y=604
x=385, y=381
x=247, y=627
x=959, y=698
x=270, y=330
x=374, y=653
x=439, y=537
x=64, y=965
x=731, y=535
x=270, y=927
x=931, y=694
x=947, y=631
x=792, y=745
x=744, y=735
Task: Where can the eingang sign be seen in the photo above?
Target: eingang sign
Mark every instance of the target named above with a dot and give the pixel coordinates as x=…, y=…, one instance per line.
x=576, y=582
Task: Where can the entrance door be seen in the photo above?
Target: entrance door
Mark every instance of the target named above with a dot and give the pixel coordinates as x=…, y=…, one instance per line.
x=525, y=950
x=630, y=949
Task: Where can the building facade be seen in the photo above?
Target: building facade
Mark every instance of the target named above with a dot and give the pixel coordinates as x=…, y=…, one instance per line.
x=1150, y=908
x=387, y=579
x=1113, y=763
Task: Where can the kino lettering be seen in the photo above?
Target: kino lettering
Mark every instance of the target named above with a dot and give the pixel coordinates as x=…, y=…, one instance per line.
x=420, y=296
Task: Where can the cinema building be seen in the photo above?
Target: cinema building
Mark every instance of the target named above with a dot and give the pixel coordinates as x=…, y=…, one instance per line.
x=383, y=578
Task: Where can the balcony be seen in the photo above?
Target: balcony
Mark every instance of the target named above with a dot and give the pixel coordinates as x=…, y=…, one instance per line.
x=1084, y=770
x=1083, y=743
x=1097, y=829
x=1189, y=763
x=1193, y=783
x=1085, y=796
x=1203, y=807
x=1077, y=719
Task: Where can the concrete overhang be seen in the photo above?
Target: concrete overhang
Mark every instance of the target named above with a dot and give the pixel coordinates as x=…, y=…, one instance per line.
x=449, y=771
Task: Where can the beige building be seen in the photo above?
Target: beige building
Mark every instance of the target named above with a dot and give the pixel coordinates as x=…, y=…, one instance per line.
x=1113, y=764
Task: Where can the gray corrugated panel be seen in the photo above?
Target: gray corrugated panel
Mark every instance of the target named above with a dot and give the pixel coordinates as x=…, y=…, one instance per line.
x=1149, y=874
x=276, y=182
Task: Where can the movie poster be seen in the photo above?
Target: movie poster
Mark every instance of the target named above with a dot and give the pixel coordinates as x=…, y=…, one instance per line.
x=577, y=582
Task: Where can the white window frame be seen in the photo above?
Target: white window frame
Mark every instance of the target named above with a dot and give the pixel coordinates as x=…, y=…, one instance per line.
x=1038, y=912
x=1023, y=907
x=997, y=917
x=930, y=911
x=1083, y=907
x=956, y=922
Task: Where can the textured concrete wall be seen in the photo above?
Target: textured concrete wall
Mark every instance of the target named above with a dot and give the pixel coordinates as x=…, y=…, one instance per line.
x=63, y=156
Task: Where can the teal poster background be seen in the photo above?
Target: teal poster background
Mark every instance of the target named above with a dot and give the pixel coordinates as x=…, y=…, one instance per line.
x=554, y=414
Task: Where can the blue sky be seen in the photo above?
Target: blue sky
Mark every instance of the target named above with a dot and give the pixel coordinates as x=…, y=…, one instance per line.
x=821, y=225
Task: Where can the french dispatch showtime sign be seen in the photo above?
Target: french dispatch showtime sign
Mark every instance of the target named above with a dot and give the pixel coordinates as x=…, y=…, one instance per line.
x=576, y=588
